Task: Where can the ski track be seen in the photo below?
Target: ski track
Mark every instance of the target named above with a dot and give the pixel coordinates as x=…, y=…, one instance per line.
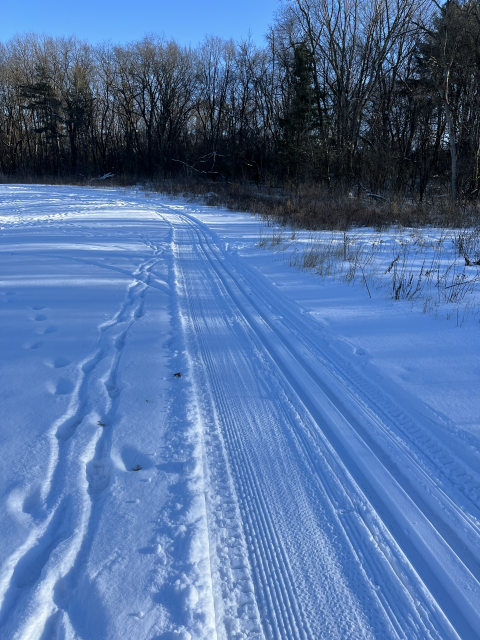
x=326, y=513
x=62, y=507
x=420, y=576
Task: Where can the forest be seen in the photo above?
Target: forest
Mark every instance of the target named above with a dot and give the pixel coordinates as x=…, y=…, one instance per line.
x=376, y=97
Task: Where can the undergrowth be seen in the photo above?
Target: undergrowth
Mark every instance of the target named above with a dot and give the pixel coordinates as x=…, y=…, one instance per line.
x=434, y=270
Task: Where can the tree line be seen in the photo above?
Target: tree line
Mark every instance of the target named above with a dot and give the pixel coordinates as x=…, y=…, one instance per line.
x=376, y=95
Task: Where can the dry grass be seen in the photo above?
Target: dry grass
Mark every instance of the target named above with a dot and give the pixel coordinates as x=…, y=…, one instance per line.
x=423, y=268
x=312, y=208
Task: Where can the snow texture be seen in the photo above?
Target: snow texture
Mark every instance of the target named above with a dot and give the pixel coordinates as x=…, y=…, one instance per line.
x=313, y=473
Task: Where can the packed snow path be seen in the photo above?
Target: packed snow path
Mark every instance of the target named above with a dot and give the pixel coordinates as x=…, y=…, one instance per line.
x=268, y=491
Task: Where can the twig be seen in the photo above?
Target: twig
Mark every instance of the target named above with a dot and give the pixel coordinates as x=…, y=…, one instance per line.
x=457, y=284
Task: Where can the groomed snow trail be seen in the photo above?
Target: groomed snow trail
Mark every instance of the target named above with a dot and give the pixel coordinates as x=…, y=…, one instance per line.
x=269, y=492
x=347, y=535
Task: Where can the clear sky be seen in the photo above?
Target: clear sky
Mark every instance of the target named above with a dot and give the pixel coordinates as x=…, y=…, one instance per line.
x=120, y=21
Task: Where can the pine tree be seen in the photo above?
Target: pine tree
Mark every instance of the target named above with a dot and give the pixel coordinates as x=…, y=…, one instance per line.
x=46, y=106
x=301, y=124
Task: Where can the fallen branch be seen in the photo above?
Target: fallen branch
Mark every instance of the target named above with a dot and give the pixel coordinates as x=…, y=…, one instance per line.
x=217, y=173
x=375, y=196
x=104, y=177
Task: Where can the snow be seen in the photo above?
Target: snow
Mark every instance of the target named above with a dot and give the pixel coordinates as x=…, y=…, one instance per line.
x=313, y=472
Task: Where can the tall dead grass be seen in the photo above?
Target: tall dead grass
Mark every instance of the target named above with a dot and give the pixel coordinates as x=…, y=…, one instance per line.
x=407, y=265
x=312, y=208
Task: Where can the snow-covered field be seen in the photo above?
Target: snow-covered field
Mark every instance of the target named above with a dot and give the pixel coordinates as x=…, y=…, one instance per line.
x=312, y=473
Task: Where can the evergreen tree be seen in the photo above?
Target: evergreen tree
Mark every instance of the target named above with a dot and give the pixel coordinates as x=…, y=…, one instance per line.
x=78, y=112
x=46, y=107
x=300, y=126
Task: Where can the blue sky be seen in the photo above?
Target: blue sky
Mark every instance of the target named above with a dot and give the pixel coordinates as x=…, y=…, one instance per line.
x=188, y=21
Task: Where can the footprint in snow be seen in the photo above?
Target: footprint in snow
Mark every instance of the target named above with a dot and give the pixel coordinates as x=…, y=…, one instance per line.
x=59, y=362
x=63, y=387
x=135, y=460
x=50, y=329
x=35, y=345
x=40, y=317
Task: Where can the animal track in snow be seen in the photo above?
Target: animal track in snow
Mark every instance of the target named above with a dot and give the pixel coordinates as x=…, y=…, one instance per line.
x=32, y=501
x=59, y=362
x=68, y=428
x=51, y=329
x=64, y=386
x=35, y=345
x=61, y=525
x=132, y=457
x=98, y=476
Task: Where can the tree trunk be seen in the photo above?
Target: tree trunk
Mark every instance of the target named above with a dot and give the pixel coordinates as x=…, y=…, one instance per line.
x=453, y=151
